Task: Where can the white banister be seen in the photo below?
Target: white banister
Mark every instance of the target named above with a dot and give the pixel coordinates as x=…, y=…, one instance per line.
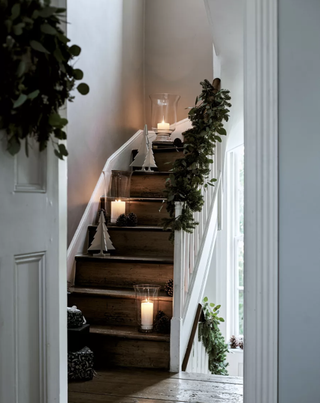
x=192, y=258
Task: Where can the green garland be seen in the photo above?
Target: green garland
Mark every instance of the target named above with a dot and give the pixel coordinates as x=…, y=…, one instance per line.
x=192, y=171
x=36, y=77
x=212, y=339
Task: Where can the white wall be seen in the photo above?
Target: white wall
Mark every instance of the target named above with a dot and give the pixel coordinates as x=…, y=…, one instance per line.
x=110, y=34
x=178, y=50
x=299, y=192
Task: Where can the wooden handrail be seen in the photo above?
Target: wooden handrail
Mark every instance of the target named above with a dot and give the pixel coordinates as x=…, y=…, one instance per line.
x=193, y=332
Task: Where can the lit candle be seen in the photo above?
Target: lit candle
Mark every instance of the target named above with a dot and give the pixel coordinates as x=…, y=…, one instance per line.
x=146, y=315
x=163, y=125
x=118, y=207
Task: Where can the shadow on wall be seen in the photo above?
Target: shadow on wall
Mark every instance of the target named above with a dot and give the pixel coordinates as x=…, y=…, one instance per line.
x=111, y=36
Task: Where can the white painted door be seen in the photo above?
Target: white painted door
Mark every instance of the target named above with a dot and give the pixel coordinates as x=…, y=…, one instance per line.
x=32, y=278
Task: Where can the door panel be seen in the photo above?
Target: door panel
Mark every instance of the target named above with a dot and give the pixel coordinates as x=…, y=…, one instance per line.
x=32, y=282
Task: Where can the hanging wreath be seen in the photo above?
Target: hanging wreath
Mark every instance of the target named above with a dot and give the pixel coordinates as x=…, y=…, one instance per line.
x=36, y=75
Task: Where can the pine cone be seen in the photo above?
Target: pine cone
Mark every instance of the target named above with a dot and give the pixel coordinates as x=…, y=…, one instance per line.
x=234, y=343
x=241, y=344
x=132, y=220
x=162, y=323
x=169, y=287
x=159, y=315
x=121, y=220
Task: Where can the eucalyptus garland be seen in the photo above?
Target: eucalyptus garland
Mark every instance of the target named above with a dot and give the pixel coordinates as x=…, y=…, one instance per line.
x=192, y=171
x=212, y=339
x=36, y=74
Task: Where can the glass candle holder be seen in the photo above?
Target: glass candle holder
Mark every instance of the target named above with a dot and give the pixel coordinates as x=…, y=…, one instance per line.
x=147, y=301
x=163, y=114
x=119, y=193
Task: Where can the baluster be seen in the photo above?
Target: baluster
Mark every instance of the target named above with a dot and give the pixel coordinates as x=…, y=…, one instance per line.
x=196, y=236
x=186, y=263
x=184, y=279
x=178, y=268
x=191, y=253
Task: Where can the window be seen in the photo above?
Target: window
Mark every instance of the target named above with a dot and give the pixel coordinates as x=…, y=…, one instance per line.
x=235, y=235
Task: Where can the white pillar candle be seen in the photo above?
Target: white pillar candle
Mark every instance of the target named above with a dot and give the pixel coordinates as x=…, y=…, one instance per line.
x=118, y=207
x=163, y=125
x=146, y=315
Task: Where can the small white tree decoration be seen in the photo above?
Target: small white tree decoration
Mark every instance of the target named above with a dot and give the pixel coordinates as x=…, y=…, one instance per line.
x=149, y=161
x=142, y=150
x=101, y=240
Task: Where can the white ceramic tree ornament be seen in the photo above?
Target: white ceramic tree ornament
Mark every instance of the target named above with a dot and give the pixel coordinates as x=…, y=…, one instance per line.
x=149, y=161
x=142, y=150
x=101, y=240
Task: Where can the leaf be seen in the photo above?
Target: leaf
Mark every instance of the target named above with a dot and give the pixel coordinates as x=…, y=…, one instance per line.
x=63, y=38
x=22, y=98
x=63, y=150
x=58, y=55
x=14, y=145
x=83, y=88
x=75, y=50
x=34, y=94
x=15, y=11
x=21, y=68
x=55, y=120
x=205, y=299
x=222, y=131
x=212, y=305
x=38, y=46
x=77, y=74
x=8, y=25
x=47, y=12
x=61, y=10
x=17, y=29
x=221, y=319
x=48, y=29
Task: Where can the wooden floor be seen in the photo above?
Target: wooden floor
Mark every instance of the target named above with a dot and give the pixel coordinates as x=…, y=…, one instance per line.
x=151, y=386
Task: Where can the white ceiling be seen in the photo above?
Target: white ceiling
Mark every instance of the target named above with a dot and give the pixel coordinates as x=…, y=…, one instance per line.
x=226, y=22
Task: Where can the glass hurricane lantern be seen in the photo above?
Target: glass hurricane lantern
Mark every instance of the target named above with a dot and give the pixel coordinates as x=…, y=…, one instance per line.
x=147, y=302
x=163, y=114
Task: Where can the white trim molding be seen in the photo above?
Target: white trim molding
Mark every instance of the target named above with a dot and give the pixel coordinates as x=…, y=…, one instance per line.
x=261, y=201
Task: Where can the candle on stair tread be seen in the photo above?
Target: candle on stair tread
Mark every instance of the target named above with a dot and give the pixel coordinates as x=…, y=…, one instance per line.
x=146, y=315
x=118, y=207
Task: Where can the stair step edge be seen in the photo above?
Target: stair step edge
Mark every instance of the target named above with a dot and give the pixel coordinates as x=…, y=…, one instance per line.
x=127, y=332
x=136, y=228
x=111, y=293
x=125, y=259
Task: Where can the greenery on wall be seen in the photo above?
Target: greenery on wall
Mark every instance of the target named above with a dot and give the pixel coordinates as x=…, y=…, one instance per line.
x=36, y=74
x=212, y=339
x=191, y=172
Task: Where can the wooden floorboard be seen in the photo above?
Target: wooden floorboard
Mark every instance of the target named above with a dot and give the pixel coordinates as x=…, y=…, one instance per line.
x=150, y=386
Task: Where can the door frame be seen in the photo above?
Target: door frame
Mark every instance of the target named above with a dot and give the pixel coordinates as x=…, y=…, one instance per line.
x=261, y=201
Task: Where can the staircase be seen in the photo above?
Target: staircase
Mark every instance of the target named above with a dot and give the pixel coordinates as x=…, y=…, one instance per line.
x=103, y=287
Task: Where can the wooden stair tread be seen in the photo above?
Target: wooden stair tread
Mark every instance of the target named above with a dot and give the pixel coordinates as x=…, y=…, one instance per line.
x=136, y=259
x=136, y=228
x=112, y=293
x=128, y=332
x=150, y=173
x=147, y=199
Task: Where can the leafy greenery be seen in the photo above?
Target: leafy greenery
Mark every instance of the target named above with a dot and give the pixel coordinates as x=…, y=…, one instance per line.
x=191, y=172
x=36, y=77
x=212, y=339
